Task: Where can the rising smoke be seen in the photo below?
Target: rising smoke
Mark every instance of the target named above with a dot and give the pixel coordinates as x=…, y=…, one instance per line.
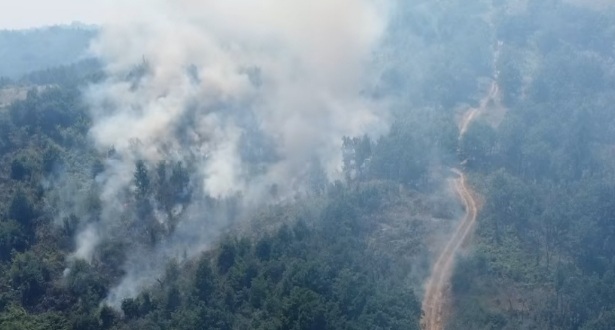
x=248, y=94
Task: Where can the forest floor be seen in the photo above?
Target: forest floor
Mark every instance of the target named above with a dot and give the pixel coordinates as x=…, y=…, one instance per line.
x=11, y=94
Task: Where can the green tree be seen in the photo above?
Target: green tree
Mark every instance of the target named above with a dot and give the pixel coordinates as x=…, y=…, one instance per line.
x=22, y=210
x=142, y=180
x=29, y=275
x=12, y=238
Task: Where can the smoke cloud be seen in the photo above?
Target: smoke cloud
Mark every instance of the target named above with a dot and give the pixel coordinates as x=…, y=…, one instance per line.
x=249, y=95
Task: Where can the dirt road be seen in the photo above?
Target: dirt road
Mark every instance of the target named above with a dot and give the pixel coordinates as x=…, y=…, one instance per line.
x=436, y=292
x=438, y=284
x=469, y=115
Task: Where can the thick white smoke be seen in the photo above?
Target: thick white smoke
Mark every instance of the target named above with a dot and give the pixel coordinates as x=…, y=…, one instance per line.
x=248, y=92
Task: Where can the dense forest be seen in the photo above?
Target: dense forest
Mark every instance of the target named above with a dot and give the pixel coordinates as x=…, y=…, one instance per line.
x=542, y=253
x=349, y=253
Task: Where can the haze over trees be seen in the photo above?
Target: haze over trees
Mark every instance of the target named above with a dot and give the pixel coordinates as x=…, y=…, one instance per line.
x=316, y=251
x=25, y=51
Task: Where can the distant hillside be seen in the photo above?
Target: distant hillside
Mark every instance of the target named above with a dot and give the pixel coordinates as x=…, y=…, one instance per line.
x=24, y=51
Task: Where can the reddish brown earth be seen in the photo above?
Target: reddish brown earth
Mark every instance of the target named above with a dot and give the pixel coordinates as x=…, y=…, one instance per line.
x=438, y=284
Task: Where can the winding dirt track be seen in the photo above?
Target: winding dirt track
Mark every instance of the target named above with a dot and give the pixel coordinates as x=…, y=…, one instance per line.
x=438, y=284
x=469, y=116
x=434, y=302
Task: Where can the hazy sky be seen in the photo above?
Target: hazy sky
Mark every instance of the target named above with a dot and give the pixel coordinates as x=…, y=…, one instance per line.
x=19, y=14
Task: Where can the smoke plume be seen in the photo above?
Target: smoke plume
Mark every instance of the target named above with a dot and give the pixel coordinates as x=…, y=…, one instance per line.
x=248, y=95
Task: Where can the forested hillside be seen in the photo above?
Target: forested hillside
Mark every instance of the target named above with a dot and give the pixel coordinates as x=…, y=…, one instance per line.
x=542, y=256
x=338, y=257
x=98, y=232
